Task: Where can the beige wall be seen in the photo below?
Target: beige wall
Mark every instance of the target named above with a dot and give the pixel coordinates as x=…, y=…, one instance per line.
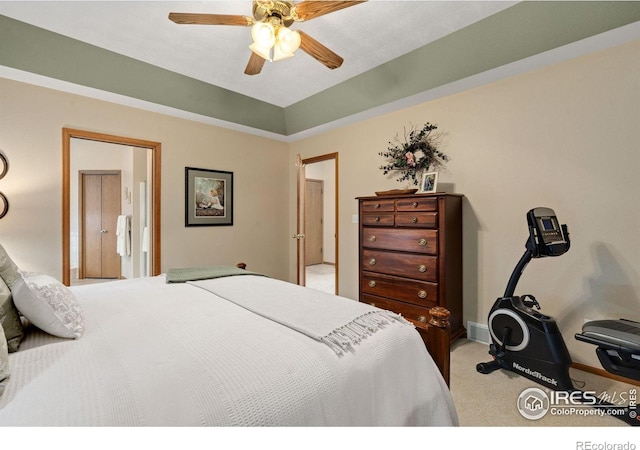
x=566, y=137
x=31, y=122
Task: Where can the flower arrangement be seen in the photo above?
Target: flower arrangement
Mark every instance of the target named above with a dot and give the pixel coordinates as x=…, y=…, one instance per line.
x=416, y=154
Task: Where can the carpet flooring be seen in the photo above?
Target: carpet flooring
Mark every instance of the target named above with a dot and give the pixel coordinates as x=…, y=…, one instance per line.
x=491, y=399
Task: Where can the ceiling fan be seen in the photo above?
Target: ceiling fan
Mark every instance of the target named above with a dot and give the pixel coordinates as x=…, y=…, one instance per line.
x=273, y=40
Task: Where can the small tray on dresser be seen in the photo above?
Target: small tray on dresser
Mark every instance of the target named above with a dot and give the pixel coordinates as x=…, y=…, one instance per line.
x=397, y=192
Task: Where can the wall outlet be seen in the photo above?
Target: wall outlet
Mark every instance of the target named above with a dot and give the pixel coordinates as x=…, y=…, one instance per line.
x=354, y=218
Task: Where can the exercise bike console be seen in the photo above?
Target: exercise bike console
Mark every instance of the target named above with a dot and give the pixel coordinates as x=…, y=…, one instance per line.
x=550, y=239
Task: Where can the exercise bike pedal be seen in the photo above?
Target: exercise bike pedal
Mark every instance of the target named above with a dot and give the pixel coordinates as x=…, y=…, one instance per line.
x=497, y=353
x=487, y=367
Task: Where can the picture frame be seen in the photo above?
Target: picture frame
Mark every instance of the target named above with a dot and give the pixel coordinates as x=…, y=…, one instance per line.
x=4, y=205
x=429, y=183
x=4, y=165
x=208, y=197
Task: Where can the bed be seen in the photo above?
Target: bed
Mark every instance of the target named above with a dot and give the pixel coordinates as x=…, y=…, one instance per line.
x=232, y=348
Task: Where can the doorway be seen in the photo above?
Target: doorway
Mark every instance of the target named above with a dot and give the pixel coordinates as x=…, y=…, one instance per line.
x=143, y=199
x=318, y=223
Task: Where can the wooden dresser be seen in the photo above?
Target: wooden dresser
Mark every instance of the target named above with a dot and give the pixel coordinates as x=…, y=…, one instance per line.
x=411, y=255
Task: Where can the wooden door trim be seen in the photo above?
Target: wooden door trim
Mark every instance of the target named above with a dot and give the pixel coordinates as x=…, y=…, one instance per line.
x=315, y=159
x=156, y=150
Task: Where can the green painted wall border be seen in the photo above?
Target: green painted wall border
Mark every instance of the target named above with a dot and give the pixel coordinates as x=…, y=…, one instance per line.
x=33, y=49
x=523, y=30
x=518, y=32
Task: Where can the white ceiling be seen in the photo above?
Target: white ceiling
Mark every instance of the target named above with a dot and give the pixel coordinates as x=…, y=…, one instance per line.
x=365, y=35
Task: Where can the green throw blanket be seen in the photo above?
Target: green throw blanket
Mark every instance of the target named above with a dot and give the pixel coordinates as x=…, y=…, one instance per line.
x=183, y=275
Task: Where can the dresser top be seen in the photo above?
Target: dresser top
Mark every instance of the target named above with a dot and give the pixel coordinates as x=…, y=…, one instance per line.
x=430, y=194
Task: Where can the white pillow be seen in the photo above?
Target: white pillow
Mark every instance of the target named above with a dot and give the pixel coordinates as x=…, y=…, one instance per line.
x=49, y=305
x=4, y=362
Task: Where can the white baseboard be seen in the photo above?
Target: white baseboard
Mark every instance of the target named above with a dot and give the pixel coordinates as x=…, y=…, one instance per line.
x=478, y=332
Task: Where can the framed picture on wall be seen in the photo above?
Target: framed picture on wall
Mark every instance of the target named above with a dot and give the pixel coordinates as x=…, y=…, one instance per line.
x=429, y=182
x=208, y=197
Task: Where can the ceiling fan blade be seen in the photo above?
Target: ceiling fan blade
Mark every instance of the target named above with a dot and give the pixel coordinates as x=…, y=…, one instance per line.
x=310, y=9
x=319, y=51
x=210, y=19
x=254, y=66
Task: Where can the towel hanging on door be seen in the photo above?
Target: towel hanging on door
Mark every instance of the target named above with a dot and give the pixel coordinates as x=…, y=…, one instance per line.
x=123, y=236
x=144, y=245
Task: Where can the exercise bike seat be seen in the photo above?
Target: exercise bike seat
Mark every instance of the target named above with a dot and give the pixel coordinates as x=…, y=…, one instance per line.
x=619, y=334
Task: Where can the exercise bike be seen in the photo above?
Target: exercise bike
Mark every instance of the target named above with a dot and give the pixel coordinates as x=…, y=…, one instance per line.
x=529, y=343
x=524, y=340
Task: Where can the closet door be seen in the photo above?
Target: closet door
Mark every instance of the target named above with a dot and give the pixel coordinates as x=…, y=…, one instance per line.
x=313, y=222
x=99, y=211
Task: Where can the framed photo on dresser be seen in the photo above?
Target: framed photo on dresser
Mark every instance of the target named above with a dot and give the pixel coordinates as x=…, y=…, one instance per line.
x=208, y=197
x=429, y=182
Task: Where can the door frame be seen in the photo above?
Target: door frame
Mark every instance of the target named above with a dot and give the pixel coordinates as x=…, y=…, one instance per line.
x=155, y=147
x=301, y=163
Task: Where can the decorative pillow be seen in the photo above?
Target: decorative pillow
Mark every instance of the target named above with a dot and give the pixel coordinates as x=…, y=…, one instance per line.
x=8, y=269
x=4, y=362
x=10, y=319
x=49, y=305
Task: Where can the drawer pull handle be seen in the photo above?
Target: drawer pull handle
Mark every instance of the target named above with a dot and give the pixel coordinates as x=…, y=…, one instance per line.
x=376, y=219
x=372, y=283
x=372, y=238
x=414, y=219
x=422, y=294
x=372, y=262
x=377, y=206
x=422, y=242
x=422, y=268
x=415, y=204
x=422, y=319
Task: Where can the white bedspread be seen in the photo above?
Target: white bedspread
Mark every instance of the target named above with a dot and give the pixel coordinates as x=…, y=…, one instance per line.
x=324, y=317
x=176, y=355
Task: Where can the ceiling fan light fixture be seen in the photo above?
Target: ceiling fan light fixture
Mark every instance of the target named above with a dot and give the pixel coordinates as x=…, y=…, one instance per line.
x=263, y=52
x=288, y=40
x=279, y=55
x=263, y=34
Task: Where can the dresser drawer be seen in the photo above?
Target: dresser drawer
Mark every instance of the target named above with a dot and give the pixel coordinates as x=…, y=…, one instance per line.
x=378, y=220
x=417, y=204
x=420, y=220
x=370, y=206
x=417, y=241
x=420, y=267
x=406, y=310
x=421, y=293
